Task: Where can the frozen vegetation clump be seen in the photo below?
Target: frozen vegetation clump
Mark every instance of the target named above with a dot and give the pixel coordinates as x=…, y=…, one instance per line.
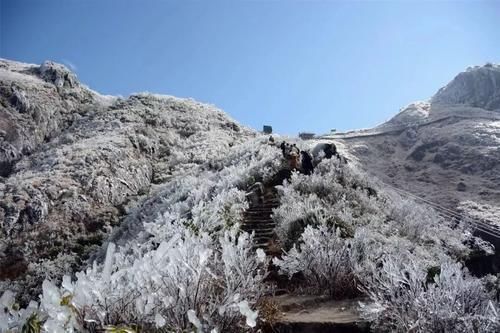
x=345, y=238
x=190, y=282
x=409, y=297
x=324, y=259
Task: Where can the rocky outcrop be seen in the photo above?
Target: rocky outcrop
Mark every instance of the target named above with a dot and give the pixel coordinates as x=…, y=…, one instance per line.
x=73, y=162
x=37, y=104
x=477, y=87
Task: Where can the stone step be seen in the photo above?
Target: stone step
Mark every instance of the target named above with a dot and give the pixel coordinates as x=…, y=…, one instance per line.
x=257, y=232
x=262, y=245
x=308, y=314
x=264, y=233
x=250, y=230
x=272, y=202
x=262, y=240
x=260, y=215
x=265, y=241
x=262, y=206
x=258, y=220
x=262, y=236
x=258, y=224
x=258, y=212
x=259, y=229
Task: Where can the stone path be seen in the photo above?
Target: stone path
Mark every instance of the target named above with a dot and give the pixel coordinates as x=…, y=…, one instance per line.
x=308, y=314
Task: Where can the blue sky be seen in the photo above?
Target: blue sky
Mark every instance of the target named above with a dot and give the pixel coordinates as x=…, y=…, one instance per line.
x=296, y=65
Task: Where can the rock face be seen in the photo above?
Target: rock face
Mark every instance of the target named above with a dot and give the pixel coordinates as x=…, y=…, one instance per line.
x=446, y=150
x=73, y=163
x=477, y=87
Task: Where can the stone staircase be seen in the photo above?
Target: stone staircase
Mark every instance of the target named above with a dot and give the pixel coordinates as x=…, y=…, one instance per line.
x=258, y=219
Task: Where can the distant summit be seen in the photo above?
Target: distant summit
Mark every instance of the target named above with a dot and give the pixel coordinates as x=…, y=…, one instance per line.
x=474, y=89
x=478, y=86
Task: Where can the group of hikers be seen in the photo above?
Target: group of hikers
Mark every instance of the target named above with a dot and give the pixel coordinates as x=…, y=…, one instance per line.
x=304, y=161
x=295, y=160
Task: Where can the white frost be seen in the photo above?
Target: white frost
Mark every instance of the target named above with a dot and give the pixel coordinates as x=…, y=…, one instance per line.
x=250, y=315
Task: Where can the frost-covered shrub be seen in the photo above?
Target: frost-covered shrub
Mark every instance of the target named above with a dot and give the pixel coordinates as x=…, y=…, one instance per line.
x=332, y=196
x=190, y=282
x=295, y=212
x=255, y=160
x=324, y=259
x=424, y=226
x=408, y=296
x=11, y=317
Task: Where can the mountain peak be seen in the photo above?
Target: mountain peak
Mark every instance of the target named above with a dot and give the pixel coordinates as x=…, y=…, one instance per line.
x=478, y=86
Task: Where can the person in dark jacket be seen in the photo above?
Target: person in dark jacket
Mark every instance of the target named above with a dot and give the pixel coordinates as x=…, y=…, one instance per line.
x=307, y=165
x=330, y=150
x=283, y=148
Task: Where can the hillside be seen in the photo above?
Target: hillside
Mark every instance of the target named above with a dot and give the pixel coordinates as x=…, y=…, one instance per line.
x=73, y=163
x=446, y=150
x=155, y=214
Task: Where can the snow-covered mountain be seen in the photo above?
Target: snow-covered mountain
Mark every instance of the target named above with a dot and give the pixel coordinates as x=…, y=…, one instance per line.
x=446, y=150
x=141, y=214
